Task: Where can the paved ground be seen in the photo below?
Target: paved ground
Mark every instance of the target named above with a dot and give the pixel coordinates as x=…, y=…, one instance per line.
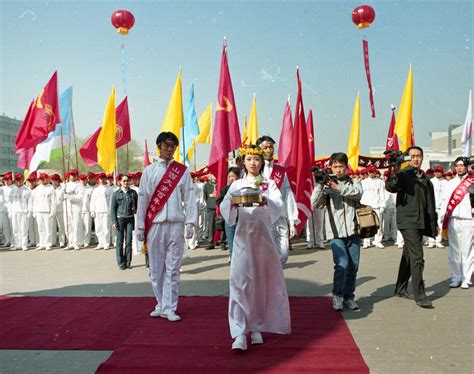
x=394, y=335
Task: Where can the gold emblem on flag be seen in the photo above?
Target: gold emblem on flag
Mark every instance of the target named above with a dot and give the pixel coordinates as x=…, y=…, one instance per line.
x=228, y=105
x=118, y=133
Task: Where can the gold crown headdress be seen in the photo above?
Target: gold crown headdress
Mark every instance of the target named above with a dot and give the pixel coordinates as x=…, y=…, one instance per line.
x=251, y=150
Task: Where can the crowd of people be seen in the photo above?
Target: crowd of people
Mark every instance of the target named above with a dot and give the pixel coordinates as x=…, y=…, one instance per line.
x=169, y=210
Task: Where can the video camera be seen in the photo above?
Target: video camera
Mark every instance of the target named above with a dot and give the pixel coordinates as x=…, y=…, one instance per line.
x=323, y=176
x=396, y=158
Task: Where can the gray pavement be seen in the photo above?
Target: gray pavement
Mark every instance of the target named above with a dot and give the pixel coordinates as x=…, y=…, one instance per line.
x=393, y=334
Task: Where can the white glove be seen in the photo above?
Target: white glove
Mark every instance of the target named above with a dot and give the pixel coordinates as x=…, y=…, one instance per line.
x=51, y=215
x=92, y=214
x=140, y=235
x=29, y=214
x=189, y=230
x=292, y=230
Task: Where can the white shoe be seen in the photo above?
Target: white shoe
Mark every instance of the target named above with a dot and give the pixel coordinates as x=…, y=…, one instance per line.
x=431, y=245
x=379, y=245
x=240, y=342
x=454, y=284
x=106, y=247
x=61, y=245
x=351, y=304
x=76, y=247
x=98, y=247
x=309, y=246
x=39, y=248
x=256, y=338
x=439, y=245
x=48, y=248
x=85, y=245
x=465, y=285
x=171, y=316
x=24, y=248
x=365, y=246
x=320, y=246
x=156, y=312
x=337, y=302
x=13, y=249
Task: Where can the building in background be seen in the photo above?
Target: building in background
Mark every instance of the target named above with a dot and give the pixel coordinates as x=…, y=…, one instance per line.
x=8, y=130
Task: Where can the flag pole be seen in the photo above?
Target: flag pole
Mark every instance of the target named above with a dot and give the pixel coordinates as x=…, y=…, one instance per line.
x=64, y=173
x=128, y=166
x=194, y=152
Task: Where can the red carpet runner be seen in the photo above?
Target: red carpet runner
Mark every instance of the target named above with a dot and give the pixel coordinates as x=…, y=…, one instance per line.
x=320, y=341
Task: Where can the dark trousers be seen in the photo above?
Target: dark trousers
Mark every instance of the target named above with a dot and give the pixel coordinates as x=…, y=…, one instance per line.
x=412, y=264
x=211, y=225
x=124, y=231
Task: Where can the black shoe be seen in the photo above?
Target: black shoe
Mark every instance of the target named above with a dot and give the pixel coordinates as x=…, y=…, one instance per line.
x=424, y=303
x=210, y=246
x=123, y=267
x=224, y=247
x=129, y=266
x=404, y=295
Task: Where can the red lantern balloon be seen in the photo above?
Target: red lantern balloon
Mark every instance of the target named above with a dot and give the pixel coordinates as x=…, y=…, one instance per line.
x=123, y=20
x=363, y=16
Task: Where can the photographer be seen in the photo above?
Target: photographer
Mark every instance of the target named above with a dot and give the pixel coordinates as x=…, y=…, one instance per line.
x=340, y=195
x=416, y=216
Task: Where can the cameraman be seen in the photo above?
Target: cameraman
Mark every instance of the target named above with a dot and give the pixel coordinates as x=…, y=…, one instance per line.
x=416, y=216
x=340, y=195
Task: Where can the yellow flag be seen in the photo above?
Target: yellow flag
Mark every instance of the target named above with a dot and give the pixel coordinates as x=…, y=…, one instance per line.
x=252, y=134
x=174, y=119
x=354, y=137
x=244, y=133
x=106, y=150
x=204, y=124
x=403, y=126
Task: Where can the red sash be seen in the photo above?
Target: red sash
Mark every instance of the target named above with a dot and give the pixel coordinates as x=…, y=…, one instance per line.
x=278, y=175
x=163, y=191
x=455, y=199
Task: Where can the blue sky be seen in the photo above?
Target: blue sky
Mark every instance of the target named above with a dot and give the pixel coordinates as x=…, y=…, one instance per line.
x=267, y=40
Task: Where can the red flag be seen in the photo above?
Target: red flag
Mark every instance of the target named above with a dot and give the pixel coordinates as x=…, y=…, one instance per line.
x=41, y=119
x=226, y=134
x=123, y=136
x=286, y=137
x=300, y=168
x=25, y=158
x=310, y=130
x=365, y=47
x=123, y=124
x=392, y=139
x=146, y=161
x=89, y=150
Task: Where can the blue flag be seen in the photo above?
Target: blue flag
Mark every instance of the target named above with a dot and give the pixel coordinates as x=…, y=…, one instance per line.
x=191, y=127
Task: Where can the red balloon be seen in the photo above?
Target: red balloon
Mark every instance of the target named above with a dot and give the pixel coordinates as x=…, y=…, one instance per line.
x=123, y=20
x=363, y=16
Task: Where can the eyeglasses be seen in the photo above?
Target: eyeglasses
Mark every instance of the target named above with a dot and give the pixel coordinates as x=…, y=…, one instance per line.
x=125, y=180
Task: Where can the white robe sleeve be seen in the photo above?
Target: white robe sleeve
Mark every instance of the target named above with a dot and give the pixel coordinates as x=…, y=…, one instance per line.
x=274, y=201
x=228, y=212
x=289, y=200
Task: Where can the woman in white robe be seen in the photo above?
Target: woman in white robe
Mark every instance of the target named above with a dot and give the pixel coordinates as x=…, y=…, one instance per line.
x=258, y=299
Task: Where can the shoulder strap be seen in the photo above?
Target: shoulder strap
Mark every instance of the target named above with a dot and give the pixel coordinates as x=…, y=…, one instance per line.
x=331, y=218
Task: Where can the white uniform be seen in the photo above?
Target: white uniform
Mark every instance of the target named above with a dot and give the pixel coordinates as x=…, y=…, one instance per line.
x=165, y=239
x=6, y=193
x=86, y=214
x=4, y=216
x=374, y=195
x=289, y=215
x=439, y=184
x=18, y=199
x=258, y=299
x=43, y=201
x=33, y=233
x=58, y=219
x=193, y=242
x=390, y=217
x=460, y=253
x=73, y=196
x=100, y=207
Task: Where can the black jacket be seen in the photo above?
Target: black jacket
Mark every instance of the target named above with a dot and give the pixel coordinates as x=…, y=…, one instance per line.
x=416, y=208
x=123, y=205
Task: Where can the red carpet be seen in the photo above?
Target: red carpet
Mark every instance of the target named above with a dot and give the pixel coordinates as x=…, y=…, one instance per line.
x=320, y=341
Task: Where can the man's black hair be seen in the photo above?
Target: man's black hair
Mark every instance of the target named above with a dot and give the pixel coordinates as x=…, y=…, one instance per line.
x=235, y=170
x=340, y=157
x=239, y=159
x=463, y=159
x=265, y=138
x=415, y=147
x=166, y=136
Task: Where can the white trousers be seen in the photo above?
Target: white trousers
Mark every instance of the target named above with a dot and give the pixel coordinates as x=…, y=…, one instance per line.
x=20, y=229
x=460, y=252
x=58, y=228
x=74, y=230
x=102, y=229
x=315, y=228
x=281, y=238
x=45, y=223
x=87, y=227
x=433, y=241
x=33, y=234
x=165, y=243
x=5, y=227
x=390, y=224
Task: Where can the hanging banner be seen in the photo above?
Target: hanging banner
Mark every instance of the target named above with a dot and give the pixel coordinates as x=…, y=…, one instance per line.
x=365, y=45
